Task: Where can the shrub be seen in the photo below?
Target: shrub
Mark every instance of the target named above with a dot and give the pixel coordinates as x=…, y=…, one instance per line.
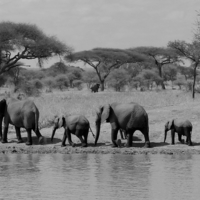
x=29, y=89
x=49, y=82
x=78, y=84
x=61, y=82
x=118, y=78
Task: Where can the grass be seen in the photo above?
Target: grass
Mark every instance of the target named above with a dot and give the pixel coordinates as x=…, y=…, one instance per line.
x=160, y=106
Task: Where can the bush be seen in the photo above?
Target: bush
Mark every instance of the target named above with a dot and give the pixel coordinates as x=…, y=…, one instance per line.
x=180, y=81
x=118, y=78
x=49, y=82
x=37, y=83
x=78, y=84
x=61, y=82
x=29, y=89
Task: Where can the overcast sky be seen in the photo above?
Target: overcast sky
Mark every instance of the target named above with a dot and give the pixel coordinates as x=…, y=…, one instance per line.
x=86, y=24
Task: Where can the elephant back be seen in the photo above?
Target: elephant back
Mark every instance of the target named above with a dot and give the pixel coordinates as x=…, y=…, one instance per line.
x=139, y=118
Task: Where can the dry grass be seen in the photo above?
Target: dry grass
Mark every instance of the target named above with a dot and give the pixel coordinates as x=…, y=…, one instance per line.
x=160, y=106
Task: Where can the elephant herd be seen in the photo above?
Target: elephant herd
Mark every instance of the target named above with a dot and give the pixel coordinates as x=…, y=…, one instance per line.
x=123, y=117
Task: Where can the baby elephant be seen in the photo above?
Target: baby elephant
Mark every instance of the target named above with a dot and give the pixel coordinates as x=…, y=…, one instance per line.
x=75, y=124
x=182, y=128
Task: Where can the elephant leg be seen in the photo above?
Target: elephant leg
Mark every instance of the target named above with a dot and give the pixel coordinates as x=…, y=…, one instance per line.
x=29, y=138
x=5, y=132
x=18, y=133
x=173, y=135
x=125, y=134
x=39, y=136
x=85, y=137
x=180, y=138
x=66, y=135
x=114, y=132
x=129, y=137
x=82, y=141
x=145, y=132
x=121, y=133
x=63, y=144
x=188, y=135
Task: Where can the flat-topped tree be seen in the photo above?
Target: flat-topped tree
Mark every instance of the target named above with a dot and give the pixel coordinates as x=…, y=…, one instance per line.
x=190, y=51
x=104, y=60
x=160, y=56
x=20, y=41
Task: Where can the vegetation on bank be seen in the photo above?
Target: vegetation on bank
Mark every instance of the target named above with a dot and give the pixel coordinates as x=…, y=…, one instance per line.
x=139, y=68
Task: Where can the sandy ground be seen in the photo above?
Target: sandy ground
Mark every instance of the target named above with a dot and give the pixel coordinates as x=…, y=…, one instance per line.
x=158, y=116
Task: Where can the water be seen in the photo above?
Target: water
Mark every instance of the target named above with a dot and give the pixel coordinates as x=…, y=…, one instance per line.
x=94, y=176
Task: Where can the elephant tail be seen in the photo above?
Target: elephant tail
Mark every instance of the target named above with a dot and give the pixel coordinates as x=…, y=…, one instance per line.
x=91, y=132
x=36, y=120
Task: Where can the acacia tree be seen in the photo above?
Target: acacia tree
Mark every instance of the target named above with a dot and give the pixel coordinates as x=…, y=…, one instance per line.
x=105, y=60
x=189, y=51
x=20, y=41
x=160, y=56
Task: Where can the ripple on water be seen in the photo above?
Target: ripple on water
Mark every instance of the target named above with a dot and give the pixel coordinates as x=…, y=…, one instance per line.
x=95, y=176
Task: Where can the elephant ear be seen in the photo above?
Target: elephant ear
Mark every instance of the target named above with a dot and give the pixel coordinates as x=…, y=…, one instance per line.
x=170, y=125
x=105, y=113
x=61, y=121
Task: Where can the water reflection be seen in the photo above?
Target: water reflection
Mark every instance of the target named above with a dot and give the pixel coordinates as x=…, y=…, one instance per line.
x=84, y=176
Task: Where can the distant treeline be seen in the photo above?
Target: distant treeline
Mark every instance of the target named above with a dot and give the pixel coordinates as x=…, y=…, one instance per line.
x=129, y=76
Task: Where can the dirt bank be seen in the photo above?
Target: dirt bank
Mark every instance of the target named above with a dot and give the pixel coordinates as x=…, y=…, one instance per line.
x=103, y=147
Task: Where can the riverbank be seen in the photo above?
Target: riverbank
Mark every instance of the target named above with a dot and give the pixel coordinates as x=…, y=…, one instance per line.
x=160, y=106
x=104, y=146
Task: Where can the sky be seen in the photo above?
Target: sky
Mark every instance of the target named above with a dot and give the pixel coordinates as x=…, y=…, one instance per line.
x=87, y=24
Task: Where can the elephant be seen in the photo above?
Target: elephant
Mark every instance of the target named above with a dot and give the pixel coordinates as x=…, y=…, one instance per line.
x=21, y=114
x=75, y=124
x=182, y=127
x=126, y=116
x=95, y=87
x=123, y=134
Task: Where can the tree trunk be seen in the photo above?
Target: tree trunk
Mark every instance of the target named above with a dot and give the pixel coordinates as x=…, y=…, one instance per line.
x=102, y=85
x=160, y=74
x=194, y=81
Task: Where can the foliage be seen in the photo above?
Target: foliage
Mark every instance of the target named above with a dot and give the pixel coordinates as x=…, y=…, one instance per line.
x=20, y=41
x=61, y=82
x=189, y=51
x=118, y=79
x=186, y=71
x=180, y=81
x=78, y=84
x=147, y=77
x=29, y=89
x=37, y=84
x=105, y=60
x=2, y=80
x=49, y=82
x=170, y=72
x=160, y=56
x=90, y=77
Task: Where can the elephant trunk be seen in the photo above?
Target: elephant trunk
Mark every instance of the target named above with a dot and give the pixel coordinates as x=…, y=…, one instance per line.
x=98, y=127
x=53, y=133
x=165, y=135
x=1, y=120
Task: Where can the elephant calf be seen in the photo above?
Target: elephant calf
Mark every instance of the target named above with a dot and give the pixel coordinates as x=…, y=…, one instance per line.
x=75, y=124
x=182, y=127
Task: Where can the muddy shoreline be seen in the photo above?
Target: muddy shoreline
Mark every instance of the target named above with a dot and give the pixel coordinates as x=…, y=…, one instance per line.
x=40, y=149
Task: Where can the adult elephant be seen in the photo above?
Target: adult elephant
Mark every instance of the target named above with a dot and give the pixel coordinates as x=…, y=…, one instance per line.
x=21, y=114
x=182, y=127
x=94, y=88
x=126, y=116
x=75, y=124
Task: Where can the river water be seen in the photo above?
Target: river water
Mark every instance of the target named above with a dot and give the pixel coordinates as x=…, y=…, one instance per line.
x=97, y=176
